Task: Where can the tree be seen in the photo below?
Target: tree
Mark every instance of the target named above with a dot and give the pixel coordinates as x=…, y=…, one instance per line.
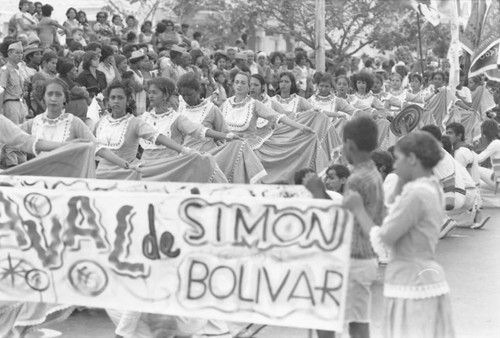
x=350, y=24
x=404, y=32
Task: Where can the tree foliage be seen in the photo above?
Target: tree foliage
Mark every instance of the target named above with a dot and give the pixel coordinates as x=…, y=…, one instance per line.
x=350, y=24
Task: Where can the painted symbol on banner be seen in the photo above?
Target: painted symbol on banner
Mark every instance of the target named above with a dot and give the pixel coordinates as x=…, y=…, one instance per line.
x=38, y=280
x=37, y=205
x=13, y=271
x=88, y=278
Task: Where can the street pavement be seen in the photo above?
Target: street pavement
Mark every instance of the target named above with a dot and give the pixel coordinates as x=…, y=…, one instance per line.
x=471, y=259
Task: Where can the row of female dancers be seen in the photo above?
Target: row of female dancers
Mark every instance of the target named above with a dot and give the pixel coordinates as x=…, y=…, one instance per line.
x=251, y=138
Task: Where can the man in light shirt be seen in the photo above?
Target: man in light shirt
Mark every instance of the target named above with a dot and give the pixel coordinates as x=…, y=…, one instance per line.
x=463, y=191
x=467, y=158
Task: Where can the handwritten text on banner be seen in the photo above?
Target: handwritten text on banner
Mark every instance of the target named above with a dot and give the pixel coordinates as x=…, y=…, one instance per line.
x=269, y=261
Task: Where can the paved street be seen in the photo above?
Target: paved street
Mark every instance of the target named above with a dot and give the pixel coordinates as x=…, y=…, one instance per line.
x=472, y=262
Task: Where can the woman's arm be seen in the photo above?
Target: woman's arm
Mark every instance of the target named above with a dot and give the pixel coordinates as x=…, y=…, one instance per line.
x=43, y=145
x=107, y=154
x=288, y=121
x=169, y=143
x=221, y=136
x=463, y=105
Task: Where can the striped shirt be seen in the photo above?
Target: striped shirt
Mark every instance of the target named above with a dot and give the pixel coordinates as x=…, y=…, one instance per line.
x=367, y=181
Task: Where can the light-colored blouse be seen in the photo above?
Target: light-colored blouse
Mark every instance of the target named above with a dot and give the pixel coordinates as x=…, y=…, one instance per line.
x=332, y=103
x=207, y=114
x=492, y=150
x=294, y=104
x=122, y=135
x=411, y=233
x=172, y=124
x=241, y=117
x=64, y=128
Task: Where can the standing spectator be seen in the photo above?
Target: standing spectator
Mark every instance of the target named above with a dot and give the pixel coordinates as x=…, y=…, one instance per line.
x=107, y=63
x=28, y=68
x=131, y=25
x=87, y=29
x=172, y=70
x=47, y=28
x=11, y=95
x=25, y=22
x=183, y=33
x=166, y=34
x=195, y=44
x=241, y=62
x=231, y=55
x=117, y=25
x=137, y=61
x=102, y=27
x=264, y=68
x=276, y=59
x=38, y=11
x=92, y=78
x=67, y=73
x=186, y=62
x=146, y=35
x=121, y=63
x=71, y=21
x=48, y=71
x=251, y=62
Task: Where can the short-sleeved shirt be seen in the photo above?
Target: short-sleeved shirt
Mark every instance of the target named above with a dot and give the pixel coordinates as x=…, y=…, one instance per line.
x=367, y=181
x=11, y=81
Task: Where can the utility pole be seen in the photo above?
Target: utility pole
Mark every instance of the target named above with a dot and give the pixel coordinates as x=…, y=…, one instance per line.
x=320, y=35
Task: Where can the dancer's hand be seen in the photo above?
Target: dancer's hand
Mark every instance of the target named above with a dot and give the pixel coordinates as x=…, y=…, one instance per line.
x=233, y=136
x=135, y=167
x=307, y=130
x=187, y=150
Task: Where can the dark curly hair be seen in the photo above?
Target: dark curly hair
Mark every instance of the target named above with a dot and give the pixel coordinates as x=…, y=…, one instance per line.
x=363, y=77
x=275, y=55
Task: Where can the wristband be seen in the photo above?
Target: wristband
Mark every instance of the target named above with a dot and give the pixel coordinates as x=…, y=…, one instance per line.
x=230, y=136
x=127, y=165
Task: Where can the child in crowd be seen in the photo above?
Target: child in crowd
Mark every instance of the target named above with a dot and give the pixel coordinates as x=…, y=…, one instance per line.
x=360, y=140
x=336, y=177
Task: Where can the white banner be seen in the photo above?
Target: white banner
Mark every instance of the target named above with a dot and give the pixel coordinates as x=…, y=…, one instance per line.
x=178, y=188
x=269, y=261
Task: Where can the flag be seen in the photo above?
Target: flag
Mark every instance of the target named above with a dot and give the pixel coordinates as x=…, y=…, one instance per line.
x=485, y=56
x=469, y=37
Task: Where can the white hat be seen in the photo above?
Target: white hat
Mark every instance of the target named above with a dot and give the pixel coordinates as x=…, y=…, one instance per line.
x=137, y=54
x=16, y=46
